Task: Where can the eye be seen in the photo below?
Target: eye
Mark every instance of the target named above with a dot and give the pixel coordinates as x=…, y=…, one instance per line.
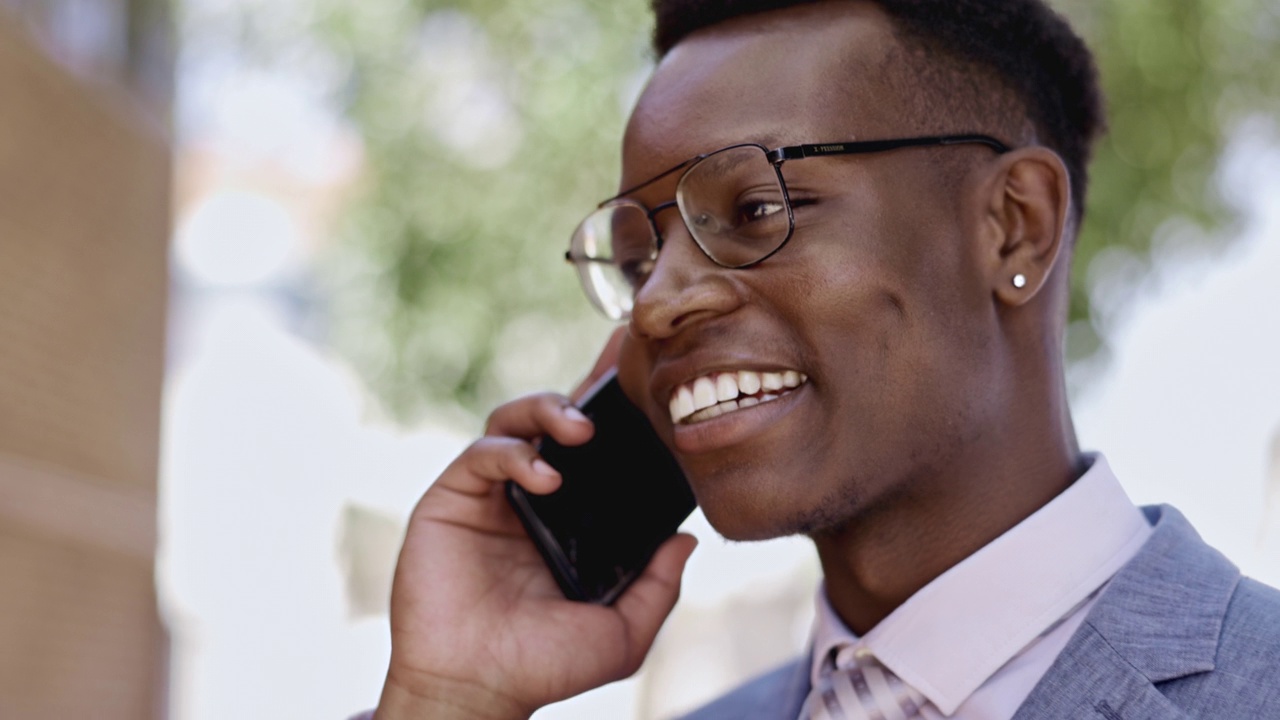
x=759, y=209
x=636, y=271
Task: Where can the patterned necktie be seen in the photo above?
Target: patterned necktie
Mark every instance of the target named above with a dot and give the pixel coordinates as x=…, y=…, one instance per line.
x=860, y=688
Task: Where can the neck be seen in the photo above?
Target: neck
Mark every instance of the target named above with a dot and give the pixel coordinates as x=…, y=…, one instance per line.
x=876, y=561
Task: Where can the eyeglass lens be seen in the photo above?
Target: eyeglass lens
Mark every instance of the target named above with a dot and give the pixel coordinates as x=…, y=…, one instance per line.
x=731, y=202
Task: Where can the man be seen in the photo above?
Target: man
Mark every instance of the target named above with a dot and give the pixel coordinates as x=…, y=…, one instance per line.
x=903, y=304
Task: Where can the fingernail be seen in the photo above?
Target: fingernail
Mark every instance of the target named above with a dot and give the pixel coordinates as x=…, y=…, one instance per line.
x=541, y=467
x=574, y=414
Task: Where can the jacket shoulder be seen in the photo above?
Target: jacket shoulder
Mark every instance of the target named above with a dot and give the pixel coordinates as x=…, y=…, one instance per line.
x=1250, y=644
x=776, y=695
x=1245, y=680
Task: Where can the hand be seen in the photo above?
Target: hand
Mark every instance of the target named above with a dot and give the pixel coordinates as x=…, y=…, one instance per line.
x=479, y=628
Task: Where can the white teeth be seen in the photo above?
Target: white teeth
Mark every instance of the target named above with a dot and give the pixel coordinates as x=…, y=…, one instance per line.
x=714, y=411
x=704, y=393
x=726, y=387
x=716, y=394
x=682, y=404
x=686, y=400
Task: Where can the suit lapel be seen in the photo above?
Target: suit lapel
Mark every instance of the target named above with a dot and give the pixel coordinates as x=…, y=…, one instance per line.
x=1159, y=619
x=777, y=695
x=786, y=699
x=797, y=690
x=1091, y=681
x=785, y=704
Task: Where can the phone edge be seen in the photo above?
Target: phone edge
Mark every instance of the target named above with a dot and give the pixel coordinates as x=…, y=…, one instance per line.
x=550, y=550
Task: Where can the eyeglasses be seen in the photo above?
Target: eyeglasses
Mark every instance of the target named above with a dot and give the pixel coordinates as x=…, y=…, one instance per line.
x=733, y=201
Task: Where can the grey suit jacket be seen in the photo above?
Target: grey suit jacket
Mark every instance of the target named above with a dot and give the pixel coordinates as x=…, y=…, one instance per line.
x=1177, y=634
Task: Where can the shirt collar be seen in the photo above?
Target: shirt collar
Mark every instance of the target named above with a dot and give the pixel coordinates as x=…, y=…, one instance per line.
x=956, y=632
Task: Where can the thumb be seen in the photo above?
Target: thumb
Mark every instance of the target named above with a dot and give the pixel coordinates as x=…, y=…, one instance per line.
x=646, y=604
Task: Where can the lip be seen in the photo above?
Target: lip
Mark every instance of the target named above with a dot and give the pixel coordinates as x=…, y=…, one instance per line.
x=738, y=426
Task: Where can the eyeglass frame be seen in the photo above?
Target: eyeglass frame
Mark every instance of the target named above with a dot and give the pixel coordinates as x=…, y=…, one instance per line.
x=776, y=158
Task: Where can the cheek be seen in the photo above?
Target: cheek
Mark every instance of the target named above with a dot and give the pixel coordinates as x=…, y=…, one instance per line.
x=634, y=366
x=900, y=229
x=910, y=274
x=853, y=279
x=889, y=307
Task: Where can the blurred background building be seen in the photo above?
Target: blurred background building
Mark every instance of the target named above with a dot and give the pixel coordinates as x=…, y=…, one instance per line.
x=355, y=214
x=84, y=227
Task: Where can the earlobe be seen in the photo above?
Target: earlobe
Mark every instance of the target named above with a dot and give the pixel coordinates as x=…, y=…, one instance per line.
x=1030, y=208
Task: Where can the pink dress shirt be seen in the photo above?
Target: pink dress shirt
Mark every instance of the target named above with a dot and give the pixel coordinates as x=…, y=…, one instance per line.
x=978, y=638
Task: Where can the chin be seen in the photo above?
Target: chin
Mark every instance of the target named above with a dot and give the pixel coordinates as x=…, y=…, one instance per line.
x=762, y=517
x=738, y=528
x=743, y=510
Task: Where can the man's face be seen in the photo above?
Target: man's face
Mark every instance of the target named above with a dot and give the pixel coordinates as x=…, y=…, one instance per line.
x=877, y=300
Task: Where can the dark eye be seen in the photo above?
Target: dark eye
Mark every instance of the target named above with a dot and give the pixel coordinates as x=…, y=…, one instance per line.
x=759, y=209
x=636, y=271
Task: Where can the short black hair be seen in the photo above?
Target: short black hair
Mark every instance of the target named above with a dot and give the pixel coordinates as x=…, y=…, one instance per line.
x=1020, y=46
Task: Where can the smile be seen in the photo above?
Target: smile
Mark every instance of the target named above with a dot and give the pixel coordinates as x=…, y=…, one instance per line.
x=719, y=393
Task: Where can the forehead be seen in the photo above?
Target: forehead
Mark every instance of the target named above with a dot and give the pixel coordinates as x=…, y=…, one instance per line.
x=806, y=74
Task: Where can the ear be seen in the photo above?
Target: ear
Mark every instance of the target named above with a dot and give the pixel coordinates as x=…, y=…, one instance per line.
x=1028, y=205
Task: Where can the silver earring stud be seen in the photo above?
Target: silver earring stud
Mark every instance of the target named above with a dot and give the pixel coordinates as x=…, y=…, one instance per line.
x=1019, y=281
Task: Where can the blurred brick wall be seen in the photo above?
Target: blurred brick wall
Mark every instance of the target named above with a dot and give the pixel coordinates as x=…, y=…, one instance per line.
x=84, y=221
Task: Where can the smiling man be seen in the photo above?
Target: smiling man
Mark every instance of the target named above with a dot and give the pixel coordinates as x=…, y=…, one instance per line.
x=842, y=252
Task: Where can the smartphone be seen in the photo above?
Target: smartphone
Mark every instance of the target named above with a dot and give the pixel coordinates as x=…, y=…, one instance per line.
x=622, y=495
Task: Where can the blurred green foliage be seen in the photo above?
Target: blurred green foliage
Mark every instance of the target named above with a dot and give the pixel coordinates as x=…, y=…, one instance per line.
x=491, y=126
x=1180, y=78
x=488, y=128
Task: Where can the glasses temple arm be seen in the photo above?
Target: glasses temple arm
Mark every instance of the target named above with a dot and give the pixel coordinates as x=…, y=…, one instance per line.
x=796, y=152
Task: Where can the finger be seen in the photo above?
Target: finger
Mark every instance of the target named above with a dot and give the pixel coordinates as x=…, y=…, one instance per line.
x=646, y=604
x=542, y=414
x=493, y=460
x=607, y=360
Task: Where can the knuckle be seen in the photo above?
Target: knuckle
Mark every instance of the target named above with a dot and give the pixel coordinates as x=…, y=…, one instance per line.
x=494, y=457
x=506, y=452
x=541, y=401
x=548, y=405
x=491, y=445
x=482, y=450
x=536, y=407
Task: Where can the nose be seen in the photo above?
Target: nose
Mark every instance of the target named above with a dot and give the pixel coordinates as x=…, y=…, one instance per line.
x=684, y=287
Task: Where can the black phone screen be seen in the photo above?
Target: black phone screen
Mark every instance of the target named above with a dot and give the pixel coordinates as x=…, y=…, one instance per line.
x=622, y=495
